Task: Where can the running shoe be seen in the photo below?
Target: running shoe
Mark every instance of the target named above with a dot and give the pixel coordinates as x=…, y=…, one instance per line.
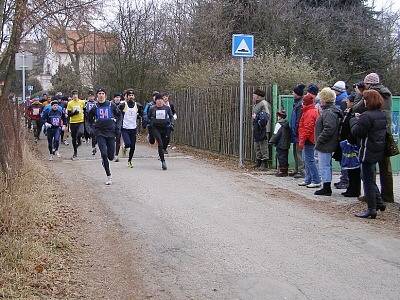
x=58, y=154
x=74, y=157
x=94, y=151
x=109, y=180
x=314, y=185
x=66, y=143
x=51, y=157
x=130, y=165
x=116, y=159
x=304, y=183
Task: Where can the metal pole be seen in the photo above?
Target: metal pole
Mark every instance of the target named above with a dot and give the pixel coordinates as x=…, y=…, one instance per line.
x=23, y=77
x=241, y=111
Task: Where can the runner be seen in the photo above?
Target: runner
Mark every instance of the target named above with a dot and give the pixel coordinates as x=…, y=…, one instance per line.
x=75, y=109
x=117, y=102
x=90, y=103
x=130, y=110
x=64, y=133
x=170, y=128
x=160, y=118
x=54, y=121
x=34, y=112
x=105, y=118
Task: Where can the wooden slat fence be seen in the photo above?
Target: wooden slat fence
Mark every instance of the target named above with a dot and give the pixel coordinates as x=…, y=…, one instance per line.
x=208, y=119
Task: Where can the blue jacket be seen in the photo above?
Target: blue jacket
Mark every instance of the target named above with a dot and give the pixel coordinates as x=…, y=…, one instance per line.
x=46, y=111
x=340, y=101
x=350, y=152
x=295, y=120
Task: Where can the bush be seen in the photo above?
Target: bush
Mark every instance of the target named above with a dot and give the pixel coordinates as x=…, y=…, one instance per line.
x=263, y=69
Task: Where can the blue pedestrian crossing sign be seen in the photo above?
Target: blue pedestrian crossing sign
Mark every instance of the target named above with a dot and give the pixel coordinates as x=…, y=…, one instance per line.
x=242, y=45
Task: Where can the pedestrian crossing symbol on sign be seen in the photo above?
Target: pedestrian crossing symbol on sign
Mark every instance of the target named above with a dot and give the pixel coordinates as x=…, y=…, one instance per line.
x=242, y=45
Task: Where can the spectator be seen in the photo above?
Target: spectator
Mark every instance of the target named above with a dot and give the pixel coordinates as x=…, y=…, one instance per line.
x=350, y=152
x=370, y=127
x=372, y=82
x=298, y=93
x=260, y=121
x=307, y=141
x=281, y=140
x=327, y=138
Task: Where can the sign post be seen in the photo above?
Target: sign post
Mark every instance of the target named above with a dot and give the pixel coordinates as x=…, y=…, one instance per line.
x=23, y=62
x=242, y=46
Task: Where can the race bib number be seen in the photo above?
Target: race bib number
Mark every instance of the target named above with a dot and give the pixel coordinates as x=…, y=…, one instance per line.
x=160, y=114
x=55, y=121
x=90, y=106
x=103, y=113
x=36, y=111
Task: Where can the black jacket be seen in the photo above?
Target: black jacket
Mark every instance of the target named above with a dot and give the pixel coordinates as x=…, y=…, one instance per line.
x=107, y=126
x=281, y=139
x=260, y=126
x=370, y=128
x=160, y=116
x=327, y=129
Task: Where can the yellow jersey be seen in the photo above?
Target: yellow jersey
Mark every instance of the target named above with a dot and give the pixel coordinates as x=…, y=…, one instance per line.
x=79, y=106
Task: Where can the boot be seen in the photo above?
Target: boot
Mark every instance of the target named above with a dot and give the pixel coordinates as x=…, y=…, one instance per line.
x=258, y=164
x=283, y=172
x=370, y=212
x=264, y=166
x=325, y=191
x=381, y=206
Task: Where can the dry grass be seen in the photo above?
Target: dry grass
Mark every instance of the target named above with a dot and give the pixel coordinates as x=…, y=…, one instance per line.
x=34, y=244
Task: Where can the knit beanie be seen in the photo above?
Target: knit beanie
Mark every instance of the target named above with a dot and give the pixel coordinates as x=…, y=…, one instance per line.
x=282, y=114
x=308, y=99
x=313, y=89
x=371, y=78
x=339, y=86
x=259, y=92
x=299, y=90
x=327, y=95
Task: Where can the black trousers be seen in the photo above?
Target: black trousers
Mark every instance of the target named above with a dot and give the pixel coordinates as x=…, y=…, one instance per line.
x=160, y=135
x=168, y=137
x=77, y=131
x=117, y=144
x=354, y=187
x=107, y=150
x=129, y=136
x=283, y=159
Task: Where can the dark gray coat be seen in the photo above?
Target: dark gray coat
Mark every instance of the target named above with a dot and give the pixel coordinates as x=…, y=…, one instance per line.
x=327, y=129
x=282, y=138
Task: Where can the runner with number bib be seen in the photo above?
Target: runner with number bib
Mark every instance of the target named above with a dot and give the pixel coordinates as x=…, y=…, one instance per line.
x=105, y=118
x=54, y=121
x=91, y=102
x=161, y=118
x=130, y=110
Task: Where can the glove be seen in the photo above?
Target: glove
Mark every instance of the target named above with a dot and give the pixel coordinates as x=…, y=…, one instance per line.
x=47, y=125
x=64, y=128
x=175, y=117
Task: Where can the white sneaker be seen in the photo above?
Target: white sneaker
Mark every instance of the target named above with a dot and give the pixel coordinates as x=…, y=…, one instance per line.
x=51, y=157
x=314, y=185
x=109, y=180
x=58, y=154
x=303, y=183
x=116, y=159
x=66, y=143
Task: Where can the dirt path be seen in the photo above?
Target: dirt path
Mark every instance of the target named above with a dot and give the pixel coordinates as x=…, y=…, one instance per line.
x=202, y=232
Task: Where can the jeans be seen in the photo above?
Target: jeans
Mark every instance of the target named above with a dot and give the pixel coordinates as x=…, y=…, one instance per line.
x=325, y=166
x=311, y=170
x=107, y=150
x=370, y=188
x=386, y=178
x=129, y=136
x=53, y=139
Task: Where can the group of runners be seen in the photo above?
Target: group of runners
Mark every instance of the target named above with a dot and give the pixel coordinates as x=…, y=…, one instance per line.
x=107, y=123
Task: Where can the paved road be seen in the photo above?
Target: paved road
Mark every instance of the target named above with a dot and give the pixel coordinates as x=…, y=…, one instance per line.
x=203, y=232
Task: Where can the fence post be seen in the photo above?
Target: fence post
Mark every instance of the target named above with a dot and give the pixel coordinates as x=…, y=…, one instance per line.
x=274, y=110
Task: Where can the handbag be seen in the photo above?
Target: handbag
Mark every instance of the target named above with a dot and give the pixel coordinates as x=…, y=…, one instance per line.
x=391, y=148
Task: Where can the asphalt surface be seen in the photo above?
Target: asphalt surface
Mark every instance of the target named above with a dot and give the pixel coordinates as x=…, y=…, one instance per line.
x=204, y=232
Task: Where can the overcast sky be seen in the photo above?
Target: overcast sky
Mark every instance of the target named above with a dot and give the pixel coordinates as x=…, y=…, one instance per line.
x=386, y=4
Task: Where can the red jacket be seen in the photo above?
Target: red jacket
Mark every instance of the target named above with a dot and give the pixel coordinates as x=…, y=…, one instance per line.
x=307, y=124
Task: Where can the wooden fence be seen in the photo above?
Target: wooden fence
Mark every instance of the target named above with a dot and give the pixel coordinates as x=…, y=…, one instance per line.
x=209, y=119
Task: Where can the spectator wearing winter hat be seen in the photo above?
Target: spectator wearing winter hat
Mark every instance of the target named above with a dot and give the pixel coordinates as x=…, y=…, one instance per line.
x=281, y=140
x=327, y=137
x=313, y=89
x=308, y=119
x=298, y=93
x=341, y=94
x=372, y=82
x=261, y=118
